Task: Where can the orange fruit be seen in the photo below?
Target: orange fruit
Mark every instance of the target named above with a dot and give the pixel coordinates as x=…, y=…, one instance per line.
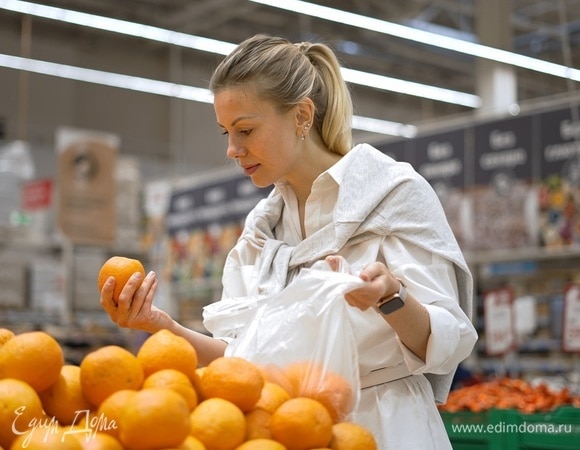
x=351, y=436
x=47, y=439
x=34, y=357
x=166, y=350
x=98, y=441
x=5, y=335
x=154, y=418
x=277, y=375
x=110, y=411
x=88, y=421
x=191, y=443
x=176, y=380
x=329, y=388
x=302, y=423
x=109, y=369
x=121, y=268
x=196, y=381
x=258, y=424
x=218, y=424
x=64, y=400
x=261, y=444
x=20, y=406
x=235, y=379
x=272, y=396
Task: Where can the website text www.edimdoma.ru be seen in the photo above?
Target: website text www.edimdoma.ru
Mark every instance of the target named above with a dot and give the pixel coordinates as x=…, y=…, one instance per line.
x=502, y=427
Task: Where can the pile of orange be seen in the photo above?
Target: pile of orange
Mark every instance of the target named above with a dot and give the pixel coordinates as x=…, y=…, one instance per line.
x=160, y=398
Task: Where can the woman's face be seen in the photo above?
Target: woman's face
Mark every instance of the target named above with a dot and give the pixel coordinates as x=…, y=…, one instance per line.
x=265, y=141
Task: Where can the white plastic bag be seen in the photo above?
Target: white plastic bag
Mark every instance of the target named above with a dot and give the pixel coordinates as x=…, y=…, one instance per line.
x=302, y=337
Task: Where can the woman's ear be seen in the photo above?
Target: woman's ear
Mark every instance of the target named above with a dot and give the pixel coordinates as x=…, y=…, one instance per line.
x=305, y=114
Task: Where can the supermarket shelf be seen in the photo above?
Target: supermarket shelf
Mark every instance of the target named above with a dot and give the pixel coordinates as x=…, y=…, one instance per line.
x=522, y=254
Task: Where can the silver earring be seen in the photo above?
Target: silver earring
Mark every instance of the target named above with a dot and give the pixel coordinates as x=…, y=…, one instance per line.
x=303, y=136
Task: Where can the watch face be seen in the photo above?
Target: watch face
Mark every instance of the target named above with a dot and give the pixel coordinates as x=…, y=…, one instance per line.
x=392, y=305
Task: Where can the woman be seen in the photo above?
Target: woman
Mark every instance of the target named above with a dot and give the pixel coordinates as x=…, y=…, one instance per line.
x=286, y=111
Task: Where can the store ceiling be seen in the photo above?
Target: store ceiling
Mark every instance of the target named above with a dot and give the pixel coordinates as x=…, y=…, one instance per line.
x=544, y=29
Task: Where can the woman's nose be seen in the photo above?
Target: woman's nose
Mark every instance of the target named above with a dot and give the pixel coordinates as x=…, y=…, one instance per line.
x=234, y=150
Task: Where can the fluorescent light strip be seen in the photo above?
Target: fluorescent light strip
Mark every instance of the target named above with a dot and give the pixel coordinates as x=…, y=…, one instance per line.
x=384, y=127
x=107, y=78
x=424, y=37
x=224, y=48
x=411, y=88
x=168, y=89
x=119, y=26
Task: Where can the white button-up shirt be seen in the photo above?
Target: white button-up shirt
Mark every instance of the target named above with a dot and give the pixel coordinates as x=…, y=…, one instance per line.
x=402, y=414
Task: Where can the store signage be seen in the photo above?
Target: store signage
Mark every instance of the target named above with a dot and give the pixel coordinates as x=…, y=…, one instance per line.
x=216, y=202
x=37, y=195
x=571, y=319
x=503, y=152
x=87, y=191
x=498, y=321
x=560, y=145
x=399, y=150
x=440, y=158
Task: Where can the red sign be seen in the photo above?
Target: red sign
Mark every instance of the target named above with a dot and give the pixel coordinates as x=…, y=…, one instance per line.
x=37, y=195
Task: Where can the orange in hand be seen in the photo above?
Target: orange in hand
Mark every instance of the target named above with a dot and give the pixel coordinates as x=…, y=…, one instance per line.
x=121, y=268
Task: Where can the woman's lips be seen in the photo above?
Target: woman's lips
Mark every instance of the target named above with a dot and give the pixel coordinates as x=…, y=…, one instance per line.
x=251, y=169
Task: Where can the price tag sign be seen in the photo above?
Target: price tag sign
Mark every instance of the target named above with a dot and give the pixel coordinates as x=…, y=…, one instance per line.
x=571, y=319
x=498, y=321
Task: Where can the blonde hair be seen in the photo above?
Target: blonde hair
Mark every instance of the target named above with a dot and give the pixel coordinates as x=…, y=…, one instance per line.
x=286, y=74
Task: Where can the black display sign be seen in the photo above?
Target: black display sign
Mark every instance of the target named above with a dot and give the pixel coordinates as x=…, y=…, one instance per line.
x=503, y=151
x=560, y=145
x=218, y=201
x=440, y=158
x=398, y=150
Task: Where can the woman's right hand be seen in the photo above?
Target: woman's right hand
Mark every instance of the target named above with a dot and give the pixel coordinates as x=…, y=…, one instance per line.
x=135, y=308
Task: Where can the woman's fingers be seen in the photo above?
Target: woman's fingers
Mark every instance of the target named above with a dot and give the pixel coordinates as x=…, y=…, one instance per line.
x=143, y=298
x=107, y=302
x=378, y=281
x=127, y=298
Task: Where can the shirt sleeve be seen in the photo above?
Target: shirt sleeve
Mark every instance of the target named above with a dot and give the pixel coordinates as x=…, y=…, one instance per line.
x=431, y=280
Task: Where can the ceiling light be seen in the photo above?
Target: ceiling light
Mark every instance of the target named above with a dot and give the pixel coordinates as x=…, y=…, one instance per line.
x=224, y=48
x=119, y=26
x=424, y=37
x=384, y=127
x=168, y=89
x=107, y=78
x=411, y=88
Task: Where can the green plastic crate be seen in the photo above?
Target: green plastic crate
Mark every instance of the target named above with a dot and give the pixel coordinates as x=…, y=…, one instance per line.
x=507, y=429
x=557, y=430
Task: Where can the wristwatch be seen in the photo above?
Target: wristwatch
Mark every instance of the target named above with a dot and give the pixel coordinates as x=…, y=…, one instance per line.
x=393, y=302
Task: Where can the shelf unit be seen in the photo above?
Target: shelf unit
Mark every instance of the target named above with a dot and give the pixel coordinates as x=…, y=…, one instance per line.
x=539, y=273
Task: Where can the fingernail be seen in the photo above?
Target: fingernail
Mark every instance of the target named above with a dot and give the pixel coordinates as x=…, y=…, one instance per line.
x=137, y=275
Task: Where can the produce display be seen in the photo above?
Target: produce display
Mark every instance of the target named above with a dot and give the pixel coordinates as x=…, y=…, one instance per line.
x=508, y=393
x=159, y=398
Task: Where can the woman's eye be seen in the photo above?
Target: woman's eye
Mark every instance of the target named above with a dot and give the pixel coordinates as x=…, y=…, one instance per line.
x=246, y=132
x=224, y=133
